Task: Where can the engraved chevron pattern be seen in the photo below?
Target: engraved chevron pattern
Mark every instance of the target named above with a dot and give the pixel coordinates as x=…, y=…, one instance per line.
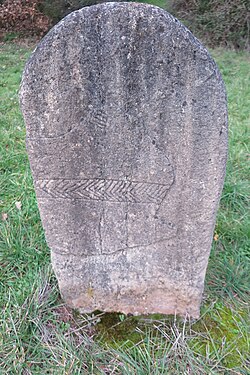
x=99, y=119
x=104, y=190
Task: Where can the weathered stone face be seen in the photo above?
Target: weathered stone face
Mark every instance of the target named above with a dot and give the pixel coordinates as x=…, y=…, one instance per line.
x=127, y=136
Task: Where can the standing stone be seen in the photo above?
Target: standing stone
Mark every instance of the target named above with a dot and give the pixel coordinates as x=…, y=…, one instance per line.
x=127, y=139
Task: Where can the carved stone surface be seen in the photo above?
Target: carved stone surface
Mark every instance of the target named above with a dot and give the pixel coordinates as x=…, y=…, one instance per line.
x=127, y=140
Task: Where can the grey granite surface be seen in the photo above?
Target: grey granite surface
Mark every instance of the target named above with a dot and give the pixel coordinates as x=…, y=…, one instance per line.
x=127, y=139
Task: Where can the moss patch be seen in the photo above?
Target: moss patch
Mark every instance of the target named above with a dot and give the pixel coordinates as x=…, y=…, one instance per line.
x=117, y=328
x=222, y=333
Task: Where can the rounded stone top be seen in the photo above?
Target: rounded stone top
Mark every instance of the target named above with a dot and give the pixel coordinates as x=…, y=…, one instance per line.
x=115, y=62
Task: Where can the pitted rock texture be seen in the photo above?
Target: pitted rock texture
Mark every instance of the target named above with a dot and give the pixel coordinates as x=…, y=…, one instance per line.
x=127, y=139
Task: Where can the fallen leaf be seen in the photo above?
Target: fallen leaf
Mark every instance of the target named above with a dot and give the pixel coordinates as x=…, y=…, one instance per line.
x=4, y=216
x=18, y=205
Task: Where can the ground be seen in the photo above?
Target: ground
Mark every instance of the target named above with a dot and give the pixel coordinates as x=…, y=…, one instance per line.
x=40, y=335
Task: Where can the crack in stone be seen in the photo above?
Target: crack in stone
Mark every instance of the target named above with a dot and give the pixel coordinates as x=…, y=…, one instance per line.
x=100, y=225
x=109, y=253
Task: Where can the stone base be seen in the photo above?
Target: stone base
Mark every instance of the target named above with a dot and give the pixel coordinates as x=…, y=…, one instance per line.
x=102, y=283
x=153, y=301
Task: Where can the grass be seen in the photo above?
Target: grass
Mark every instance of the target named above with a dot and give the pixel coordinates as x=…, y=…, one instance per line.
x=159, y=3
x=40, y=335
